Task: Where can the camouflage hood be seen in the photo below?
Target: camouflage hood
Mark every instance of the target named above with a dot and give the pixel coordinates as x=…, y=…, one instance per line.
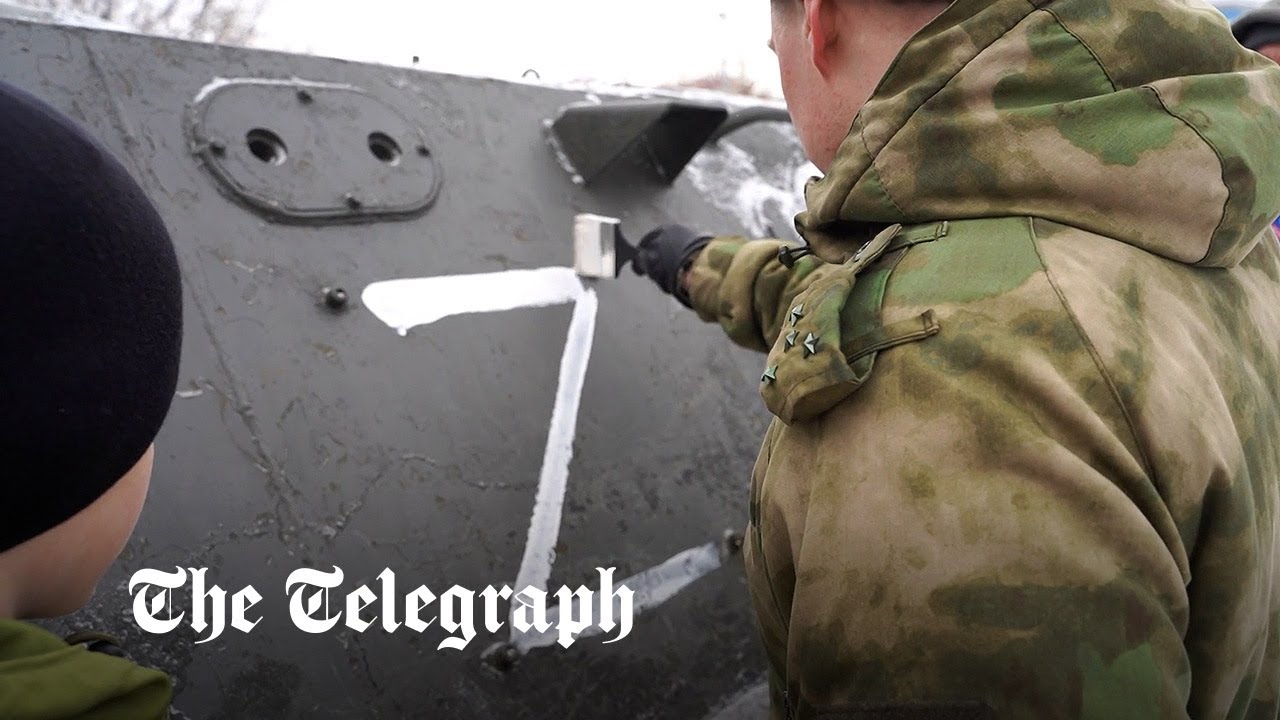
x=1141, y=120
x=43, y=678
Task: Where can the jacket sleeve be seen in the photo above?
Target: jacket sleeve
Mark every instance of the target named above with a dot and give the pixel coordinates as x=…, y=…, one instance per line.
x=742, y=285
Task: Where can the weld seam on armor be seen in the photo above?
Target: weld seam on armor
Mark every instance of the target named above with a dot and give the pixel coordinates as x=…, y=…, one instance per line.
x=1103, y=372
x=1222, y=168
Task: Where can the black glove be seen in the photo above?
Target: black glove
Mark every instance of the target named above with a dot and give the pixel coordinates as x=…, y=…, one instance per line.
x=664, y=251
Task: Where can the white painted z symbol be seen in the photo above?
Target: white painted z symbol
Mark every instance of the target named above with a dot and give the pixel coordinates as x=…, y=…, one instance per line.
x=404, y=304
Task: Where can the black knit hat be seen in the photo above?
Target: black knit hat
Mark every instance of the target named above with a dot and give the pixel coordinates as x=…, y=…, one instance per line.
x=1258, y=27
x=91, y=316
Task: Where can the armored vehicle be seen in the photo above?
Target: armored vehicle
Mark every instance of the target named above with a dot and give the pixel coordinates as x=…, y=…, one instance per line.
x=391, y=369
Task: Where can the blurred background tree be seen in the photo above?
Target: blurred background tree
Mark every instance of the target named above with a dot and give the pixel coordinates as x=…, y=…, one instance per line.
x=737, y=83
x=229, y=22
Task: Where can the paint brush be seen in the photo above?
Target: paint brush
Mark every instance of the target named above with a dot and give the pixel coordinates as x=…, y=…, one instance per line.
x=599, y=249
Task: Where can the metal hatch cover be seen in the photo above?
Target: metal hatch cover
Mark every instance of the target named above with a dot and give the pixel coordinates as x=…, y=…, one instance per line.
x=301, y=151
x=632, y=140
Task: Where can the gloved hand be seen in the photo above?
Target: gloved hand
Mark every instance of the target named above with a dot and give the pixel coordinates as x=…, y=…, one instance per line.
x=664, y=252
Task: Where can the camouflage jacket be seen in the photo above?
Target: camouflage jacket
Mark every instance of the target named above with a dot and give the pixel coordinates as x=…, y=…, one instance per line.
x=43, y=678
x=1027, y=442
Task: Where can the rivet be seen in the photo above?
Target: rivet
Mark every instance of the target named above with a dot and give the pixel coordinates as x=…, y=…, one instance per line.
x=770, y=374
x=217, y=147
x=731, y=542
x=305, y=97
x=352, y=201
x=501, y=656
x=791, y=338
x=335, y=298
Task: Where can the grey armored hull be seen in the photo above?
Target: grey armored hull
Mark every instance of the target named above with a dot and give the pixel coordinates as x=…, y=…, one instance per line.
x=307, y=432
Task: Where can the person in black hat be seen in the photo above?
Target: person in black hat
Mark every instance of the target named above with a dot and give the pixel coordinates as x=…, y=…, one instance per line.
x=92, y=322
x=1259, y=30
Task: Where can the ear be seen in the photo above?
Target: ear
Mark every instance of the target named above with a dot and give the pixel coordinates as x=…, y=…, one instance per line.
x=822, y=30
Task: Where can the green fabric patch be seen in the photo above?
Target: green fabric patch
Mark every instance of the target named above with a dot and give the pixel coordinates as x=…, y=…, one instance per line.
x=1127, y=687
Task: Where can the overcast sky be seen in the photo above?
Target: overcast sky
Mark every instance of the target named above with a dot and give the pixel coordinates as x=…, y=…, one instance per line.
x=641, y=42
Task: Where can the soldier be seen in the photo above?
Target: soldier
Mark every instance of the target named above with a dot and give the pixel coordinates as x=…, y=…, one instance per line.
x=88, y=368
x=1026, y=448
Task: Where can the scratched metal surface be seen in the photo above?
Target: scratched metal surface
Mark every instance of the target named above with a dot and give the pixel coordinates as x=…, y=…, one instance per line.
x=304, y=437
